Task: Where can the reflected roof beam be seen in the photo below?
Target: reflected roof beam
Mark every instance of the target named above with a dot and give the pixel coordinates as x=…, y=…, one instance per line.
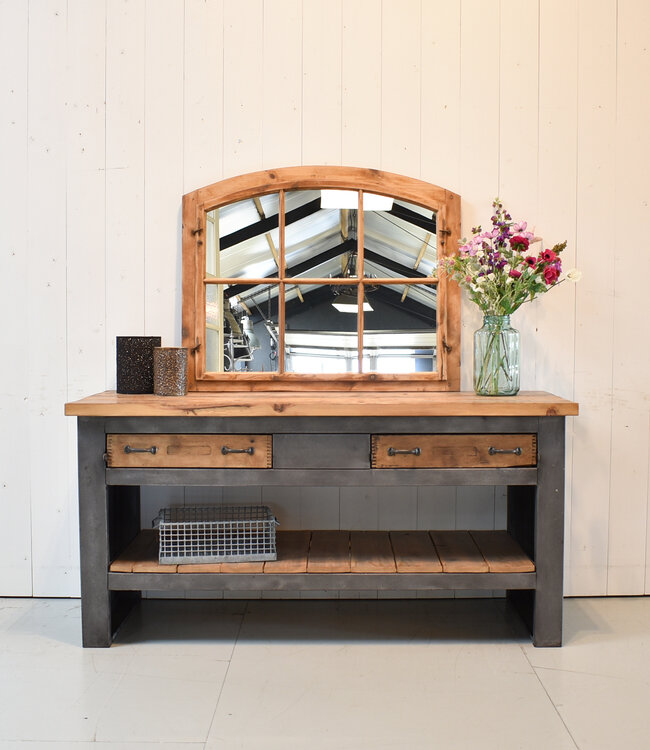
x=392, y=265
x=413, y=217
x=299, y=268
x=267, y=224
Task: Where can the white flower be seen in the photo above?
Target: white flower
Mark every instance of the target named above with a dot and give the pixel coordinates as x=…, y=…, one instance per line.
x=506, y=268
x=490, y=276
x=481, y=280
x=509, y=280
x=574, y=275
x=480, y=254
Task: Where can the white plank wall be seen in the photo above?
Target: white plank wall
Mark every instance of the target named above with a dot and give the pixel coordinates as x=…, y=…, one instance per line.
x=111, y=110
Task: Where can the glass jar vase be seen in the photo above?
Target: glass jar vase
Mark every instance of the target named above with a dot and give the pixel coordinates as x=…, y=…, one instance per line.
x=496, y=357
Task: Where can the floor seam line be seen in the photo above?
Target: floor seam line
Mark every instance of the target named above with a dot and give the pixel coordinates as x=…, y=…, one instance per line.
x=551, y=701
x=225, y=677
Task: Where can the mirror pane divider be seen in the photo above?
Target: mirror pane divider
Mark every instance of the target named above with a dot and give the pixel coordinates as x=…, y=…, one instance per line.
x=361, y=289
x=282, y=289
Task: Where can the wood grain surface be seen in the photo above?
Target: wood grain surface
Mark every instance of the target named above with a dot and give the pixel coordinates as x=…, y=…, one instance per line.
x=309, y=403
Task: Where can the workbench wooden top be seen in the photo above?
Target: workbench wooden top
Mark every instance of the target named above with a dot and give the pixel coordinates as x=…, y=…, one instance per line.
x=322, y=404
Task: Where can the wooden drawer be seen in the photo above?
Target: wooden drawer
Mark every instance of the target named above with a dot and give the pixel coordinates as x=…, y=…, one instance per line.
x=188, y=451
x=453, y=451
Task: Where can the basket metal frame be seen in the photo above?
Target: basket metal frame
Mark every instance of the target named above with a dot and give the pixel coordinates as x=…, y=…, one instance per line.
x=214, y=534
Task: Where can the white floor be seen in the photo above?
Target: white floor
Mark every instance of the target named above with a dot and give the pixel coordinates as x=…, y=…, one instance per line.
x=342, y=675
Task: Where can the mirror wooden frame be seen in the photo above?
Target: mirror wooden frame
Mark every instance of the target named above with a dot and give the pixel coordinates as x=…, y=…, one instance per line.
x=198, y=203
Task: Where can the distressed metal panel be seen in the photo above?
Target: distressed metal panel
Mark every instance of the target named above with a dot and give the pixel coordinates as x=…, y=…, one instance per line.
x=322, y=424
x=322, y=477
x=93, y=534
x=321, y=451
x=317, y=582
x=549, y=534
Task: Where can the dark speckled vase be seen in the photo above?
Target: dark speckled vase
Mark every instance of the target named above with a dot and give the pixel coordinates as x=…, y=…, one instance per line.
x=135, y=363
x=170, y=371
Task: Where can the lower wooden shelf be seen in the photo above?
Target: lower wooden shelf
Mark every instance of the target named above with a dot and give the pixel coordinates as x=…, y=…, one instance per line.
x=348, y=559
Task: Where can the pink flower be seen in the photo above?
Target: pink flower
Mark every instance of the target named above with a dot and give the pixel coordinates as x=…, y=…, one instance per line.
x=519, y=243
x=520, y=226
x=550, y=274
x=531, y=261
x=514, y=273
x=548, y=256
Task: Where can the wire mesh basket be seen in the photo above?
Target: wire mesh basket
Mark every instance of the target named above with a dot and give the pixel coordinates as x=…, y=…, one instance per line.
x=212, y=534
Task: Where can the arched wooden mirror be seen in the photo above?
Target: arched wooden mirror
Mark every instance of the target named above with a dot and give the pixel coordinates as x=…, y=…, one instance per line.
x=320, y=277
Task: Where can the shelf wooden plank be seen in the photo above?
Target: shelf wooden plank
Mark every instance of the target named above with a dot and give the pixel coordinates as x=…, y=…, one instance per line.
x=150, y=564
x=321, y=403
x=137, y=551
x=366, y=552
x=329, y=552
x=293, y=550
x=371, y=552
x=502, y=553
x=458, y=552
x=200, y=568
x=414, y=552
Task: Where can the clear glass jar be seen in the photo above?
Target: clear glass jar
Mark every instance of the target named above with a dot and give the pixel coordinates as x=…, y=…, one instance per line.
x=496, y=357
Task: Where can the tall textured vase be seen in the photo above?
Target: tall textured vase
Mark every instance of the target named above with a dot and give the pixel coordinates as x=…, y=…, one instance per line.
x=496, y=357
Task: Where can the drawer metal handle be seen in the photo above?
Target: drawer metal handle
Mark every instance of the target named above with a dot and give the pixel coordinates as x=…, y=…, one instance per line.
x=226, y=450
x=395, y=451
x=492, y=450
x=153, y=450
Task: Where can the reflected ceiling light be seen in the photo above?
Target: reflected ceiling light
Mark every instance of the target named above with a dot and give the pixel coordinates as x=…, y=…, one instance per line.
x=350, y=199
x=347, y=302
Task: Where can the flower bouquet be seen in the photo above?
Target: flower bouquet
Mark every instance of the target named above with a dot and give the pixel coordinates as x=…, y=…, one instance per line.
x=500, y=274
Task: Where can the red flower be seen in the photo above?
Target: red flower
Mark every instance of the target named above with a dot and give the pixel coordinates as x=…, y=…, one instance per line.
x=514, y=273
x=550, y=274
x=519, y=243
x=531, y=260
x=548, y=256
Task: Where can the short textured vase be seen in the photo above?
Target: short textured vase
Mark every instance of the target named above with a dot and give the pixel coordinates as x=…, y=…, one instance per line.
x=170, y=371
x=496, y=357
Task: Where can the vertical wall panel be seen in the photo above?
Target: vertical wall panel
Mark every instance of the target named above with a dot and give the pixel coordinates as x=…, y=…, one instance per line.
x=321, y=82
x=85, y=220
x=518, y=144
x=85, y=200
x=243, y=93
x=15, y=531
x=400, y=86
x=479, y=134
x=587, y=541
x=361, y=74
x=282, y=83
x=125, y=37
x=440, y=94
x=163, y=169
x=631, y=350
x=203, y=93
x=53, y=540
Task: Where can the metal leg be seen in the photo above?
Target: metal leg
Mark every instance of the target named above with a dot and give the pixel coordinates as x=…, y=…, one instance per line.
x=549, y=534
x=93, y=533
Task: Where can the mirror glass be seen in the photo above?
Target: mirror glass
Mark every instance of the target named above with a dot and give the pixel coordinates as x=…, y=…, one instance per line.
x=319, y=338
x=243, y=239
x=400, y=241
x=242, y=328
x=321, y=319
x=320, y=242
x=399, y=335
